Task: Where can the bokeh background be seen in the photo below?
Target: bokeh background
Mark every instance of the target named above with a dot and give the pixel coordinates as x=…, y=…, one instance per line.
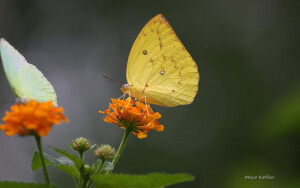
x=245, y=119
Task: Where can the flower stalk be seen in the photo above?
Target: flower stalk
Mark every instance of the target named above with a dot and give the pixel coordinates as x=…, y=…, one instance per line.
x=39, y=145
x=81, y=155
x=121, y=147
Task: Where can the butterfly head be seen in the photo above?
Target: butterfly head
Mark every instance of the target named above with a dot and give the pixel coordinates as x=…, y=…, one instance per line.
x=20, y=100
x=124, y=87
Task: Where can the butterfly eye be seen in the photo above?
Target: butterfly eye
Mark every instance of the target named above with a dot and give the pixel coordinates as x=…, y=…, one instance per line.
x=145, y=52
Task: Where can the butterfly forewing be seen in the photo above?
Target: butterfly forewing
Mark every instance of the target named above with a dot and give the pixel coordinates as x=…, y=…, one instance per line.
x=33, y=85
x=159, y=68
x=26, y=81
x=12, y=62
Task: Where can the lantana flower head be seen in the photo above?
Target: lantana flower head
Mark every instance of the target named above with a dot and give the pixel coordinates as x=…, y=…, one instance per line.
x=32, y=118
x=129, y=114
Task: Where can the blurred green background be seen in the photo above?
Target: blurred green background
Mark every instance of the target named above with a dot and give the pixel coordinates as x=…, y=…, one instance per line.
x=245, y=119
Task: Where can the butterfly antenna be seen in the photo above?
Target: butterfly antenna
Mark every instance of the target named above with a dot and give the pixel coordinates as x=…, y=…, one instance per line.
x=109, y=79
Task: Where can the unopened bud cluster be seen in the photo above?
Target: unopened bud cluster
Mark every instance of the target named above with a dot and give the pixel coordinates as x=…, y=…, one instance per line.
x=80, y=144
x=105, y=152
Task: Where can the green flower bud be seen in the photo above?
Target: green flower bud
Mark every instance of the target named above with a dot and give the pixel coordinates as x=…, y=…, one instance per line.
x=105, y=152
x=80, y=144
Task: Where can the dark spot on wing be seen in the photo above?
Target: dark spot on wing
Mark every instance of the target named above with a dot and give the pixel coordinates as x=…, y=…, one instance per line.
x=145, y=52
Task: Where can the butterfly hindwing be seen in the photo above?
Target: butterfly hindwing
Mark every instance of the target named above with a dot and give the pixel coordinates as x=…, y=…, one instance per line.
x=160, y=68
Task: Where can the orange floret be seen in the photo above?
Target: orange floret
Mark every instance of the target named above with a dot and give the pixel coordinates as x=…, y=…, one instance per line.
x=32, y=118
x=128, y=114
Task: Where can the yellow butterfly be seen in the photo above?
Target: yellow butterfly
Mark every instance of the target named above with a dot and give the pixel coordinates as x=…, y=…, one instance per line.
x=160, y=70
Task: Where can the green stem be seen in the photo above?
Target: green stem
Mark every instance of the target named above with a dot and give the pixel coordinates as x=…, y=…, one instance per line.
x=121, y=147
x=89, y=184
x=39, y=145
x=85, y=180
x=81, y=178
x=81, y=155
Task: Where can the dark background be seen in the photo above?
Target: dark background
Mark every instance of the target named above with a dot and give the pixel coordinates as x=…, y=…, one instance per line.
x=245, y=118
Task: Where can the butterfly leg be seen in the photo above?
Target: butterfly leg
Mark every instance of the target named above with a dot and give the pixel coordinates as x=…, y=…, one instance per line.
x=122, y=96
x=131, y=95
x=129, y=98
x=146, y=104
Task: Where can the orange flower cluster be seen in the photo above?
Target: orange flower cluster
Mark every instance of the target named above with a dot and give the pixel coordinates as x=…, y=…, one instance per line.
x=32, y=118
x=133, y=115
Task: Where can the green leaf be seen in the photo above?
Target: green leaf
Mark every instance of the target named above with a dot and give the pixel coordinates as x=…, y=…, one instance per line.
x=63, y=163
x=77, y=161
x=71, y=170
x=52, y=160
x=8, y=184
x=36, y=162
x=93, y=148
x=155, y=180
x=49, y=160
x=97, y=166
x=106, y=167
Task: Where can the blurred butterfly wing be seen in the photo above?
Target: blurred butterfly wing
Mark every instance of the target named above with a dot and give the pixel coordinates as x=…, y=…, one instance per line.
x=26, y=81
x=33, y=85
x=160, y=68
x=12, y=62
